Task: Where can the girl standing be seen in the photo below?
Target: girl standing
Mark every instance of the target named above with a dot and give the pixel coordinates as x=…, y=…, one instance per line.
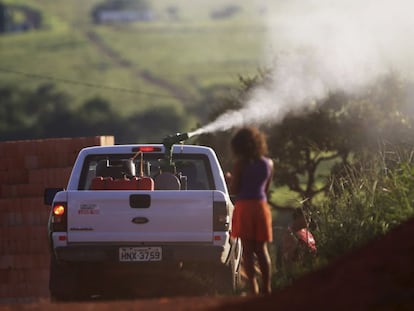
x=252, y=219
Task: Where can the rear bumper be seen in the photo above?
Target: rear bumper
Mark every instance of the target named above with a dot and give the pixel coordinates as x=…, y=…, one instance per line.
x=170, y=253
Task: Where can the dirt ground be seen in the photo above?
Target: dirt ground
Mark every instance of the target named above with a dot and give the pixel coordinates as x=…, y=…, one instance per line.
x=379, y=276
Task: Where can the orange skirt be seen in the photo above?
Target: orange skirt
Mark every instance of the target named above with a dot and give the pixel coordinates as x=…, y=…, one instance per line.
x=252, y=220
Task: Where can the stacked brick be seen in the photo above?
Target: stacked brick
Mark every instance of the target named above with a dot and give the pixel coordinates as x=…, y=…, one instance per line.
x=26, y=169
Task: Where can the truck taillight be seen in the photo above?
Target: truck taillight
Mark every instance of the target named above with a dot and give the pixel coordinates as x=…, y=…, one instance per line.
x=221, y=218
x=59, y=216
x=58, y=210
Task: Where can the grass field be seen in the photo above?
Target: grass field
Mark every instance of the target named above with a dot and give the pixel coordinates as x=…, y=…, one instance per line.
x=136, y=65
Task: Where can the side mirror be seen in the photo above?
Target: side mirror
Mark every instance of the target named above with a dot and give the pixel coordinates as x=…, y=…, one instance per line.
x=49, y=195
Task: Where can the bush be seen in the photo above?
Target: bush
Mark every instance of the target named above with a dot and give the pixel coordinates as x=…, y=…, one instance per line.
x=365, y=202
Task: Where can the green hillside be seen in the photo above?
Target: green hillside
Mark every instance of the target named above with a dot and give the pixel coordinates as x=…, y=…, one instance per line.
x=173, y=59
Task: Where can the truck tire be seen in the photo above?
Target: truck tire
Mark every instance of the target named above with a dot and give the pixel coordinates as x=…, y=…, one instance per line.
x=62, y=281
x=225, y=280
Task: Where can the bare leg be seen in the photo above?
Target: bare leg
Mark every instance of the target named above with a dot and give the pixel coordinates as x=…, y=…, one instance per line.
x=264, y=265
x=248, y=259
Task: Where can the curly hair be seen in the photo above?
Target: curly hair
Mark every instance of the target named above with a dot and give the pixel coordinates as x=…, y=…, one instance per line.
x=249, y=143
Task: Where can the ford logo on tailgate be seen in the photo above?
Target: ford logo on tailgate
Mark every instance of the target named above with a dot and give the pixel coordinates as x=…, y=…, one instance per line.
x=140, y=220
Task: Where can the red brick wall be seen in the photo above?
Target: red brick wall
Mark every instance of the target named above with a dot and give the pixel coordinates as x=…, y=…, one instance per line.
x=26, y=169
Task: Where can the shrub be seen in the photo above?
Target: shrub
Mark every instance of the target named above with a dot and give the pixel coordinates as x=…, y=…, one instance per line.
x=365, y=202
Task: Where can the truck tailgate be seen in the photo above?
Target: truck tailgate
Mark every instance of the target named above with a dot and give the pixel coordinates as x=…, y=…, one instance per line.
x=143, y=216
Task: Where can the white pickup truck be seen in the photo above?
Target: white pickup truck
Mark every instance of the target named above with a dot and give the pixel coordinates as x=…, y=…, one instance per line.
x=152, y=210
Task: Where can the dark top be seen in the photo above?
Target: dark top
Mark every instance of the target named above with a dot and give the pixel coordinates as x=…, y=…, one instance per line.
x=254, y=179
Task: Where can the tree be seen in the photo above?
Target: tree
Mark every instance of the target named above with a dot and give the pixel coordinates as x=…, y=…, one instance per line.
x=220, y=103
x=45, y=112
x=343, y=128
x=154, y=124
x=3, y=18
x=12, y=112
x=300, y=145
x=308, y=147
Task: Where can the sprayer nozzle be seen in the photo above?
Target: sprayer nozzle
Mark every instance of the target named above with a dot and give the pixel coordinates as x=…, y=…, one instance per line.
x=173, y=139
x=182, y=137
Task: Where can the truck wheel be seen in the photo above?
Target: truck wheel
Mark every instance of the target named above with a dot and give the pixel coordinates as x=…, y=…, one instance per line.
x=226, y=279
x=62, y=281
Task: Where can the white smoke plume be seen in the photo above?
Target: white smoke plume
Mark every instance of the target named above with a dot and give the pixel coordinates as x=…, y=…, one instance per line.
x=321, y=46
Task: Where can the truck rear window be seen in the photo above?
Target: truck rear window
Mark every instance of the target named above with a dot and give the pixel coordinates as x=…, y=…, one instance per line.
x=193, y=170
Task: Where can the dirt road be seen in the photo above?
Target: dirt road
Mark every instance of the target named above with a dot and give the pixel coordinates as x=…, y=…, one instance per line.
x=379, y=276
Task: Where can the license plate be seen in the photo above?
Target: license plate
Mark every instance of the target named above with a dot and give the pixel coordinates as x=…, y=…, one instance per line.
x=132, y=254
